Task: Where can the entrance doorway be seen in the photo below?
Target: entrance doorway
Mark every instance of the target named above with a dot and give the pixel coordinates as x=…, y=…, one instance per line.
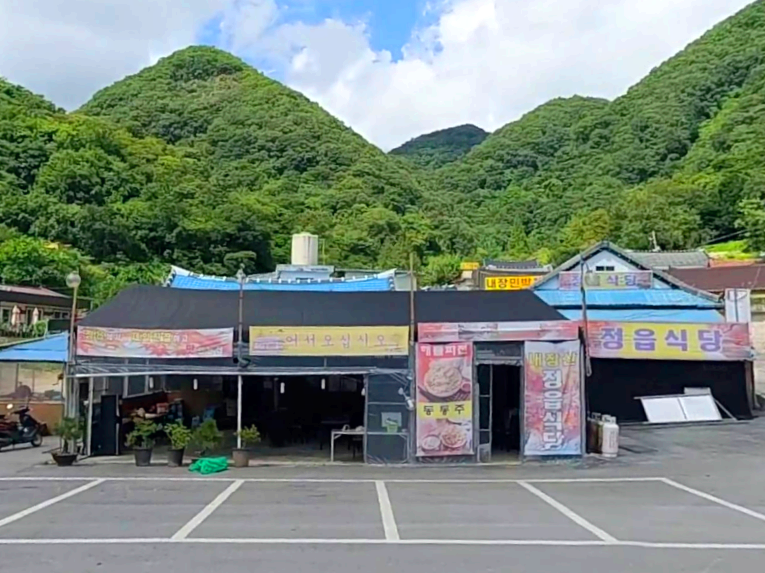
x=500, y=403
x=296, y=415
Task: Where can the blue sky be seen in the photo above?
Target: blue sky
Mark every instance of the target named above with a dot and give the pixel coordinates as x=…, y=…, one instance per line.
x=390, y=23
x=485, y=62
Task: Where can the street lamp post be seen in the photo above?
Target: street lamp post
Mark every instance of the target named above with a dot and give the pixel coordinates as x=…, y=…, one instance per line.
x=73, y=281
x=240, y=277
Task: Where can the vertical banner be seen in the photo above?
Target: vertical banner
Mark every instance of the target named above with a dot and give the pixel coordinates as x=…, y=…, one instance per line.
x=445, y=399
x=552, y=399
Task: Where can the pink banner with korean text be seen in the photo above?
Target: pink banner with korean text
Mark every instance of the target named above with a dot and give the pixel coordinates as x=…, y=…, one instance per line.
x=552, y=397
x=669, y=341
x=444, y=399
x=608, y=280
x=497, y=331
x=138, y=343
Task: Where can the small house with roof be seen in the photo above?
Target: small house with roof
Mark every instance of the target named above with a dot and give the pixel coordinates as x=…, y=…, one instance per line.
x=648, y=333
x=620, y=285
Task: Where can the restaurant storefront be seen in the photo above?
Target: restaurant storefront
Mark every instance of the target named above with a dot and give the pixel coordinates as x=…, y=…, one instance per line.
x=321, y=363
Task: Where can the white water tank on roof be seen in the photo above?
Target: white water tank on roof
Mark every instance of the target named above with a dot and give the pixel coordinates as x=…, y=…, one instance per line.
x=305, y=249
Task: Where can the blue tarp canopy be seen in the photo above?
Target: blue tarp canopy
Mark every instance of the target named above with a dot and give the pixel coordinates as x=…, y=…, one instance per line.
x=626, y=298
x=50, y=349
x=647, y=315
x=374, y=284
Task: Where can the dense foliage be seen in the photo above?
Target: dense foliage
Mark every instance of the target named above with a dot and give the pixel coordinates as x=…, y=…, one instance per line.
x=204, y=162
x=434, y=150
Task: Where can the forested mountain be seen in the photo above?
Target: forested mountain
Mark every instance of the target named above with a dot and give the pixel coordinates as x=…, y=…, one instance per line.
x=434, y=150
x=202, y=161
x=674, y=155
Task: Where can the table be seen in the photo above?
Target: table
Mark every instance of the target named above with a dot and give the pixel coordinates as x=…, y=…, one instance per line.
x=336, y=434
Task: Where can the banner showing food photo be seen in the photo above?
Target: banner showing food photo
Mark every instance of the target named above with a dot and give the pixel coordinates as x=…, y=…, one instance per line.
x=137, y=343
x=552, y=399
x=445, y=399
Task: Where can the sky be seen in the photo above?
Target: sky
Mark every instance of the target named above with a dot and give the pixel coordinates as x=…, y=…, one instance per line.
x=390, y=69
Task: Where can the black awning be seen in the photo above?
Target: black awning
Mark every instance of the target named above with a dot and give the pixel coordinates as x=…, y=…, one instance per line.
x=151, y=307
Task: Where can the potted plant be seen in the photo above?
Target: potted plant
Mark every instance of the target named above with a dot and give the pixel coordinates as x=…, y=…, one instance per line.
x=207, y=436
x=179, y=436
x=141, y=439
x=248, y=436
x=69, y=431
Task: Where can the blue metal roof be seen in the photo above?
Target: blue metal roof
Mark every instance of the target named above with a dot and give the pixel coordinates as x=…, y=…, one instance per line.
x=626, y=298
x=647, y=315
x=354, y=285
x=51, y=349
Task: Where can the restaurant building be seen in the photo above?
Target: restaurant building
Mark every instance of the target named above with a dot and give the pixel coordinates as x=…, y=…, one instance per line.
x=428, y=377
x=649, y=333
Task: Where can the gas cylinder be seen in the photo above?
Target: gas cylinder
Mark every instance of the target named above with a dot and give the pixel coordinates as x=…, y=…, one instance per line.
x=592, y=432
x=609, y=437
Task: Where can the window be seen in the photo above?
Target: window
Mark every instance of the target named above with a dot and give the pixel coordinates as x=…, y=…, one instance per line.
x=6, y=317
x=605, y=268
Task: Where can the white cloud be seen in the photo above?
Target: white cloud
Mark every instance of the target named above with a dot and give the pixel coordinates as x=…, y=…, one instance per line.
x=67, y=49
x=479, y=61
x=486, y=61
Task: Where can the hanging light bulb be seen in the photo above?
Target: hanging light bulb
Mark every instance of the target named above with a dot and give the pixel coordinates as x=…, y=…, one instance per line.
x=363, y=390
x=151, y=383
x=196, y=384
x=281, y=388
x=323, y=383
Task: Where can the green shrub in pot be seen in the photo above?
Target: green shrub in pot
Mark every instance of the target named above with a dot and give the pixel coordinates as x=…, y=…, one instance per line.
x=141, y=439
x=180, y=437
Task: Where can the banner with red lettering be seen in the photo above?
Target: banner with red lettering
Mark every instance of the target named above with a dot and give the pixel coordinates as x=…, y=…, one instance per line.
x=445, y=399
x=552, y=415
x=669, y=341
x=137, y=343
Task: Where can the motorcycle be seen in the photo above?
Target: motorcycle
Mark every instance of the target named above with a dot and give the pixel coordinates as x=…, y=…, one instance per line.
x=26, y=430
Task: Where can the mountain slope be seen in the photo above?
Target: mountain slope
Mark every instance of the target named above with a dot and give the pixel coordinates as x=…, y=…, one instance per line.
x=204, y=162
x=267, y=145
x=556, y=166
x=434, y=150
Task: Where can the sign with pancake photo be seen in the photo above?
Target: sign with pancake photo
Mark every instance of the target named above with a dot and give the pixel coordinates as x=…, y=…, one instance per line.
x=445, y=399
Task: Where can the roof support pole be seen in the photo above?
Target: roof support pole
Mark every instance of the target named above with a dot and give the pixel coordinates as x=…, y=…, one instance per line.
x=89, y=444
x=239, y=412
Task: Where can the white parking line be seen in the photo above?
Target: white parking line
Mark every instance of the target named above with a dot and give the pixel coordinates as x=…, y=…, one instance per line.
x=49, y=502
x=386, y=512
x=712, y=498
x=467, y=542
x=572, y=515
x=206, y=512
x=333, y=480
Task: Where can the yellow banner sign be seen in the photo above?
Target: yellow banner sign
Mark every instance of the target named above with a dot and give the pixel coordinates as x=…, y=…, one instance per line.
x=668, y=341
x=469, y=266
x=510, y=282
x=329, y=340
x=445, y=411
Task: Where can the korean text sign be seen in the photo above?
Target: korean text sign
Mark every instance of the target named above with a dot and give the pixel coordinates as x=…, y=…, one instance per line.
x=445, y=399
x=552, y=399
x=137, y=343
x=669, y=341
x=329, y=341
x=509, y=282
x=572, y=280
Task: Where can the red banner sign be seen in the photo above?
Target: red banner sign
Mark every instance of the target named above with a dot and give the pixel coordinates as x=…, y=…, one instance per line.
x=445, y=399
x=552, y=415
x=497, y=331
x=137, y=343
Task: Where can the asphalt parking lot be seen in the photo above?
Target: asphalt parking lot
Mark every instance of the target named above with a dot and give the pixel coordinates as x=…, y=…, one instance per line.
x=678, y=506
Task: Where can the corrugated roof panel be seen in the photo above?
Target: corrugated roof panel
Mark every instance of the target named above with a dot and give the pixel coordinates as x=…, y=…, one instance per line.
x=648, y=315
x=51, y=349
x=622, y=298
x=361, y=285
